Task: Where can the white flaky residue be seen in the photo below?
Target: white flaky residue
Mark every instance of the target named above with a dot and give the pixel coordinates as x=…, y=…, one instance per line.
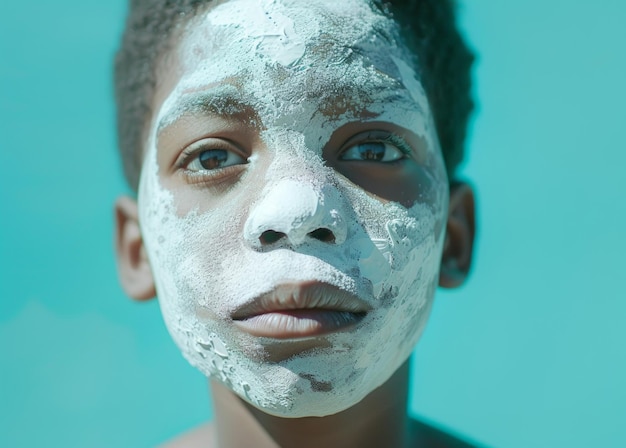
x=270, y=32
x=307, y=69
x=294, y=208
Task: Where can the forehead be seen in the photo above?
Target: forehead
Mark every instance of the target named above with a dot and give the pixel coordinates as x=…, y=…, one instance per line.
x=290, y=55
x=289, y=38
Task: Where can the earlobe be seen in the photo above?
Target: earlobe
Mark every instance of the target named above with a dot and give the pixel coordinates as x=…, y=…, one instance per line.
x=132, y=262
x=456, y=260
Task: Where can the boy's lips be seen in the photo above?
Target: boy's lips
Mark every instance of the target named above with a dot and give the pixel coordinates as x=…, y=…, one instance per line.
x=300, y=310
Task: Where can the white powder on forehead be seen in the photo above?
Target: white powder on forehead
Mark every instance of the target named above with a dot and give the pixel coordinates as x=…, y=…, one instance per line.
x=247, y=23
x=206, y=264
x=270, y=31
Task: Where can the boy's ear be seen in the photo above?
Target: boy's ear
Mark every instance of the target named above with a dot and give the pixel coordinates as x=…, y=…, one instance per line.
x=132, y=262
x=460, y=229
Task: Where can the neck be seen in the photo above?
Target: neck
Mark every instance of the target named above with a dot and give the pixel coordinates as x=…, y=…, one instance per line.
x=380, y=419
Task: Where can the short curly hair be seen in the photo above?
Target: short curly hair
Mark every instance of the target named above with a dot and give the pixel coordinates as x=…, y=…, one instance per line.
x=428, y=27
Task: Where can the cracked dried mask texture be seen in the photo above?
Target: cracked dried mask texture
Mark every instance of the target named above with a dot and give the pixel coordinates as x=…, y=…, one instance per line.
x=207, y=260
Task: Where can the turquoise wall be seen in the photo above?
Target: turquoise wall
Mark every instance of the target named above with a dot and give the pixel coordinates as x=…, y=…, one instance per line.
x=529, y=353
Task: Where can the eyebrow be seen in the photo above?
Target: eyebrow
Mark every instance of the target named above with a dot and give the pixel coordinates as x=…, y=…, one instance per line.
x=224, y=100
x=359, y=99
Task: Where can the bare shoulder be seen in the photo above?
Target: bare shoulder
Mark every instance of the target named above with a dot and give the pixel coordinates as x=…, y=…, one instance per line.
x=201, y=436
x=426, y=435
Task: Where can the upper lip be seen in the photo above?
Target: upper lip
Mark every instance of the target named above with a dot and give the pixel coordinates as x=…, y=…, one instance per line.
x=302, y=296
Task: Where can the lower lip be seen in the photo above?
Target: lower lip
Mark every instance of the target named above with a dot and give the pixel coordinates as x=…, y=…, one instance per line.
x=291, y=324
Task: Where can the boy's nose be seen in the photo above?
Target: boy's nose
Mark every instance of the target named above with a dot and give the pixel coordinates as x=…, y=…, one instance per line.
x=296, y=212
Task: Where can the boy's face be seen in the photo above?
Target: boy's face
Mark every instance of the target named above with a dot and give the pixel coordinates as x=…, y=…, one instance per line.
x=293, y=201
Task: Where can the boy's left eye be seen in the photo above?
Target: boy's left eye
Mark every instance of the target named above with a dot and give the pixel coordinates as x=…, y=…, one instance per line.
x=374, y=151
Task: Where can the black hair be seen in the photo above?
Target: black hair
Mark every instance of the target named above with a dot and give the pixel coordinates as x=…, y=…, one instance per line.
x=428, y=27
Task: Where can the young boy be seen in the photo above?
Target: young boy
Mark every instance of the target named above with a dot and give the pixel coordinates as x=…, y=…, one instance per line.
x=294, y=212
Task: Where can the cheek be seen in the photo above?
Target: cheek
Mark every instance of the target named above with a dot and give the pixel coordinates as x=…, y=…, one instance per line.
x=193, y=256
x=408, y=240
x=405, y=184
x=185, y=252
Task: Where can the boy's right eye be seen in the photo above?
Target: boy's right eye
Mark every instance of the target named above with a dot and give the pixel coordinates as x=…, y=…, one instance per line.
x=211, y=154
x=213, y=159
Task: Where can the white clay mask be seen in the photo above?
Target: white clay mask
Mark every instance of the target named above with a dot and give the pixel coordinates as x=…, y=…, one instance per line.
x=280, y=270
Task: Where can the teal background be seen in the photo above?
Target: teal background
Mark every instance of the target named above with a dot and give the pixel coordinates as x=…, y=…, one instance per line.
x=530, y=353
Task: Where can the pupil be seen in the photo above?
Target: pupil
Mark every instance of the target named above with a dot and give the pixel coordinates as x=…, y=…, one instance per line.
x=372, y=150
x=213, y=158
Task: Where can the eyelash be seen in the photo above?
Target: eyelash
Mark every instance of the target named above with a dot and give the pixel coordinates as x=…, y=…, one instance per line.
x=398, y=142
x=193, y=152
x=380, y=137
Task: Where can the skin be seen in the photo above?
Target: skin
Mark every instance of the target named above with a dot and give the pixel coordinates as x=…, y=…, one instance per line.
x=379, y=419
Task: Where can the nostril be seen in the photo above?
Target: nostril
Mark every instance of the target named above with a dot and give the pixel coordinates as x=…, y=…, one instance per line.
x=270, y=236
x=324, y=235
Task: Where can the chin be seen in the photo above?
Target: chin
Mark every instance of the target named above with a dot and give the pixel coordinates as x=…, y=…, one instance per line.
x=317, y=382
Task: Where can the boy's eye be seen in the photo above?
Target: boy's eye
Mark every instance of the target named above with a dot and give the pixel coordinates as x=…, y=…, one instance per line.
x=212, y=162
x=373, y=152
x=213, y=159
x=375, y=146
